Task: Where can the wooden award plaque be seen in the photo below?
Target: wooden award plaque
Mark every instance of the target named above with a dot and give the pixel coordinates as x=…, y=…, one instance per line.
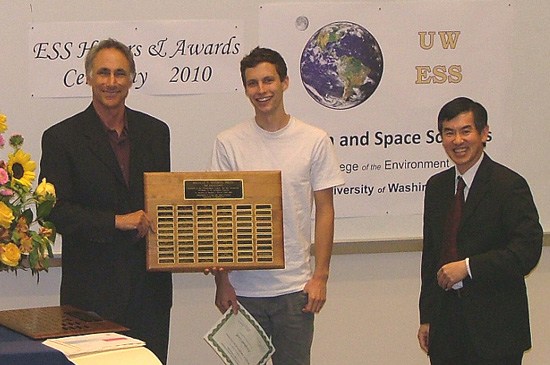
x=224, y=219
x=57, y=321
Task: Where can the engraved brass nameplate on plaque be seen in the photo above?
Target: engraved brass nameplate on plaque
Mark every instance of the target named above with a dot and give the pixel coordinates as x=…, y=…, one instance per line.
x=229, y=219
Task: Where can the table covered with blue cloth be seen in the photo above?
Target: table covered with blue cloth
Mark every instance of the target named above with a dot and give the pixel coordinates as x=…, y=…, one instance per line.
x=18, y=349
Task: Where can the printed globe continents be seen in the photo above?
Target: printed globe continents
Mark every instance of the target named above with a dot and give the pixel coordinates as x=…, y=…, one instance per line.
x=341, y=65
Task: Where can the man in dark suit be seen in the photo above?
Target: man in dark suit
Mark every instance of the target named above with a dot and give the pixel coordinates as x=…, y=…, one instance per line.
x=473, y=309
x=96, y=160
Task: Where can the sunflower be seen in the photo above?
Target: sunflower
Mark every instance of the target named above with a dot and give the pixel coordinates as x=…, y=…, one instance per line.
x=21, y=168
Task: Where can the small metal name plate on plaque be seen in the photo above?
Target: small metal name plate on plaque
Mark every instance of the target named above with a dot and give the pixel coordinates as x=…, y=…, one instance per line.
x=214, y=219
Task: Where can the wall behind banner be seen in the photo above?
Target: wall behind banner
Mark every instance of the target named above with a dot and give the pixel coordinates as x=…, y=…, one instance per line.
x=377, y=293
x=196, y=119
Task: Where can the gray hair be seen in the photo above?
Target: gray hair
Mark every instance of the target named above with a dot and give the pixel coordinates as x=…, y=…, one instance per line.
x=105, y=44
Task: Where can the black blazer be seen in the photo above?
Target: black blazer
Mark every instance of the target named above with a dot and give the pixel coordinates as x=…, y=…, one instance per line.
x=104, y=269
x=500, y=232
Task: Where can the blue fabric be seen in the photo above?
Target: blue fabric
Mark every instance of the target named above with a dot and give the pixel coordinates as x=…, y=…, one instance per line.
x=290, y=329
x=17, y=349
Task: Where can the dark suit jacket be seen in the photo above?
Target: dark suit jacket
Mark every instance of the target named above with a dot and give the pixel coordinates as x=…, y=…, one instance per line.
x=103, y=269
x=500, y=232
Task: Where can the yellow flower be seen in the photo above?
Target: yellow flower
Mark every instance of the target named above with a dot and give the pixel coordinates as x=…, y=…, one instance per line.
x=46, y=232
x=44, y=191
x=21, y=168
x=22, y=226
x=3, y=125
x=10, y=254
x=6, y=215
x=25, y=243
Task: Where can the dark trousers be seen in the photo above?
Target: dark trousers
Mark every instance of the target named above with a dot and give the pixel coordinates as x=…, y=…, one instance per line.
x=153, y=330
x=463, y=350
x=476, y=360
x=290, y=329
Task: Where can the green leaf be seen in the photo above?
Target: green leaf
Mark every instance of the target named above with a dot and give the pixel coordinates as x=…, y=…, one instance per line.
x=28, y=215
x=33, y=258
x=44, y=209
x=50, y=251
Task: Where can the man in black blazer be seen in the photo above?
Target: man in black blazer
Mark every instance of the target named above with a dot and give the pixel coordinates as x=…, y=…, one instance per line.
x=96, y=160
x=474, y=309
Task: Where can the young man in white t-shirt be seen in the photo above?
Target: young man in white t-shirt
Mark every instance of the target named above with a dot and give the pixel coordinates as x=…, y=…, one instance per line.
x=283, y=301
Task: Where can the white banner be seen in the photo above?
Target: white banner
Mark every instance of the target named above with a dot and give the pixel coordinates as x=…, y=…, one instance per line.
x=172, y=57
x=375, y=75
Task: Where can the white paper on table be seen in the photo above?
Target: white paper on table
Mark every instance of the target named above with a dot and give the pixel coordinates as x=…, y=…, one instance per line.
x=239, y=339
x=88, y=344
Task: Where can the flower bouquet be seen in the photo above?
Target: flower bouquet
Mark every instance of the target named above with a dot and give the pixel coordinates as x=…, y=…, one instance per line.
x=26, y=237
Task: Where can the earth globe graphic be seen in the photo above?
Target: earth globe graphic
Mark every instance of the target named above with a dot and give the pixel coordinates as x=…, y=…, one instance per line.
x=341, y=65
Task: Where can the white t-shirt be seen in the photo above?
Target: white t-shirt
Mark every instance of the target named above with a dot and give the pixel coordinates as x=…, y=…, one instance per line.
x=305, y=156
